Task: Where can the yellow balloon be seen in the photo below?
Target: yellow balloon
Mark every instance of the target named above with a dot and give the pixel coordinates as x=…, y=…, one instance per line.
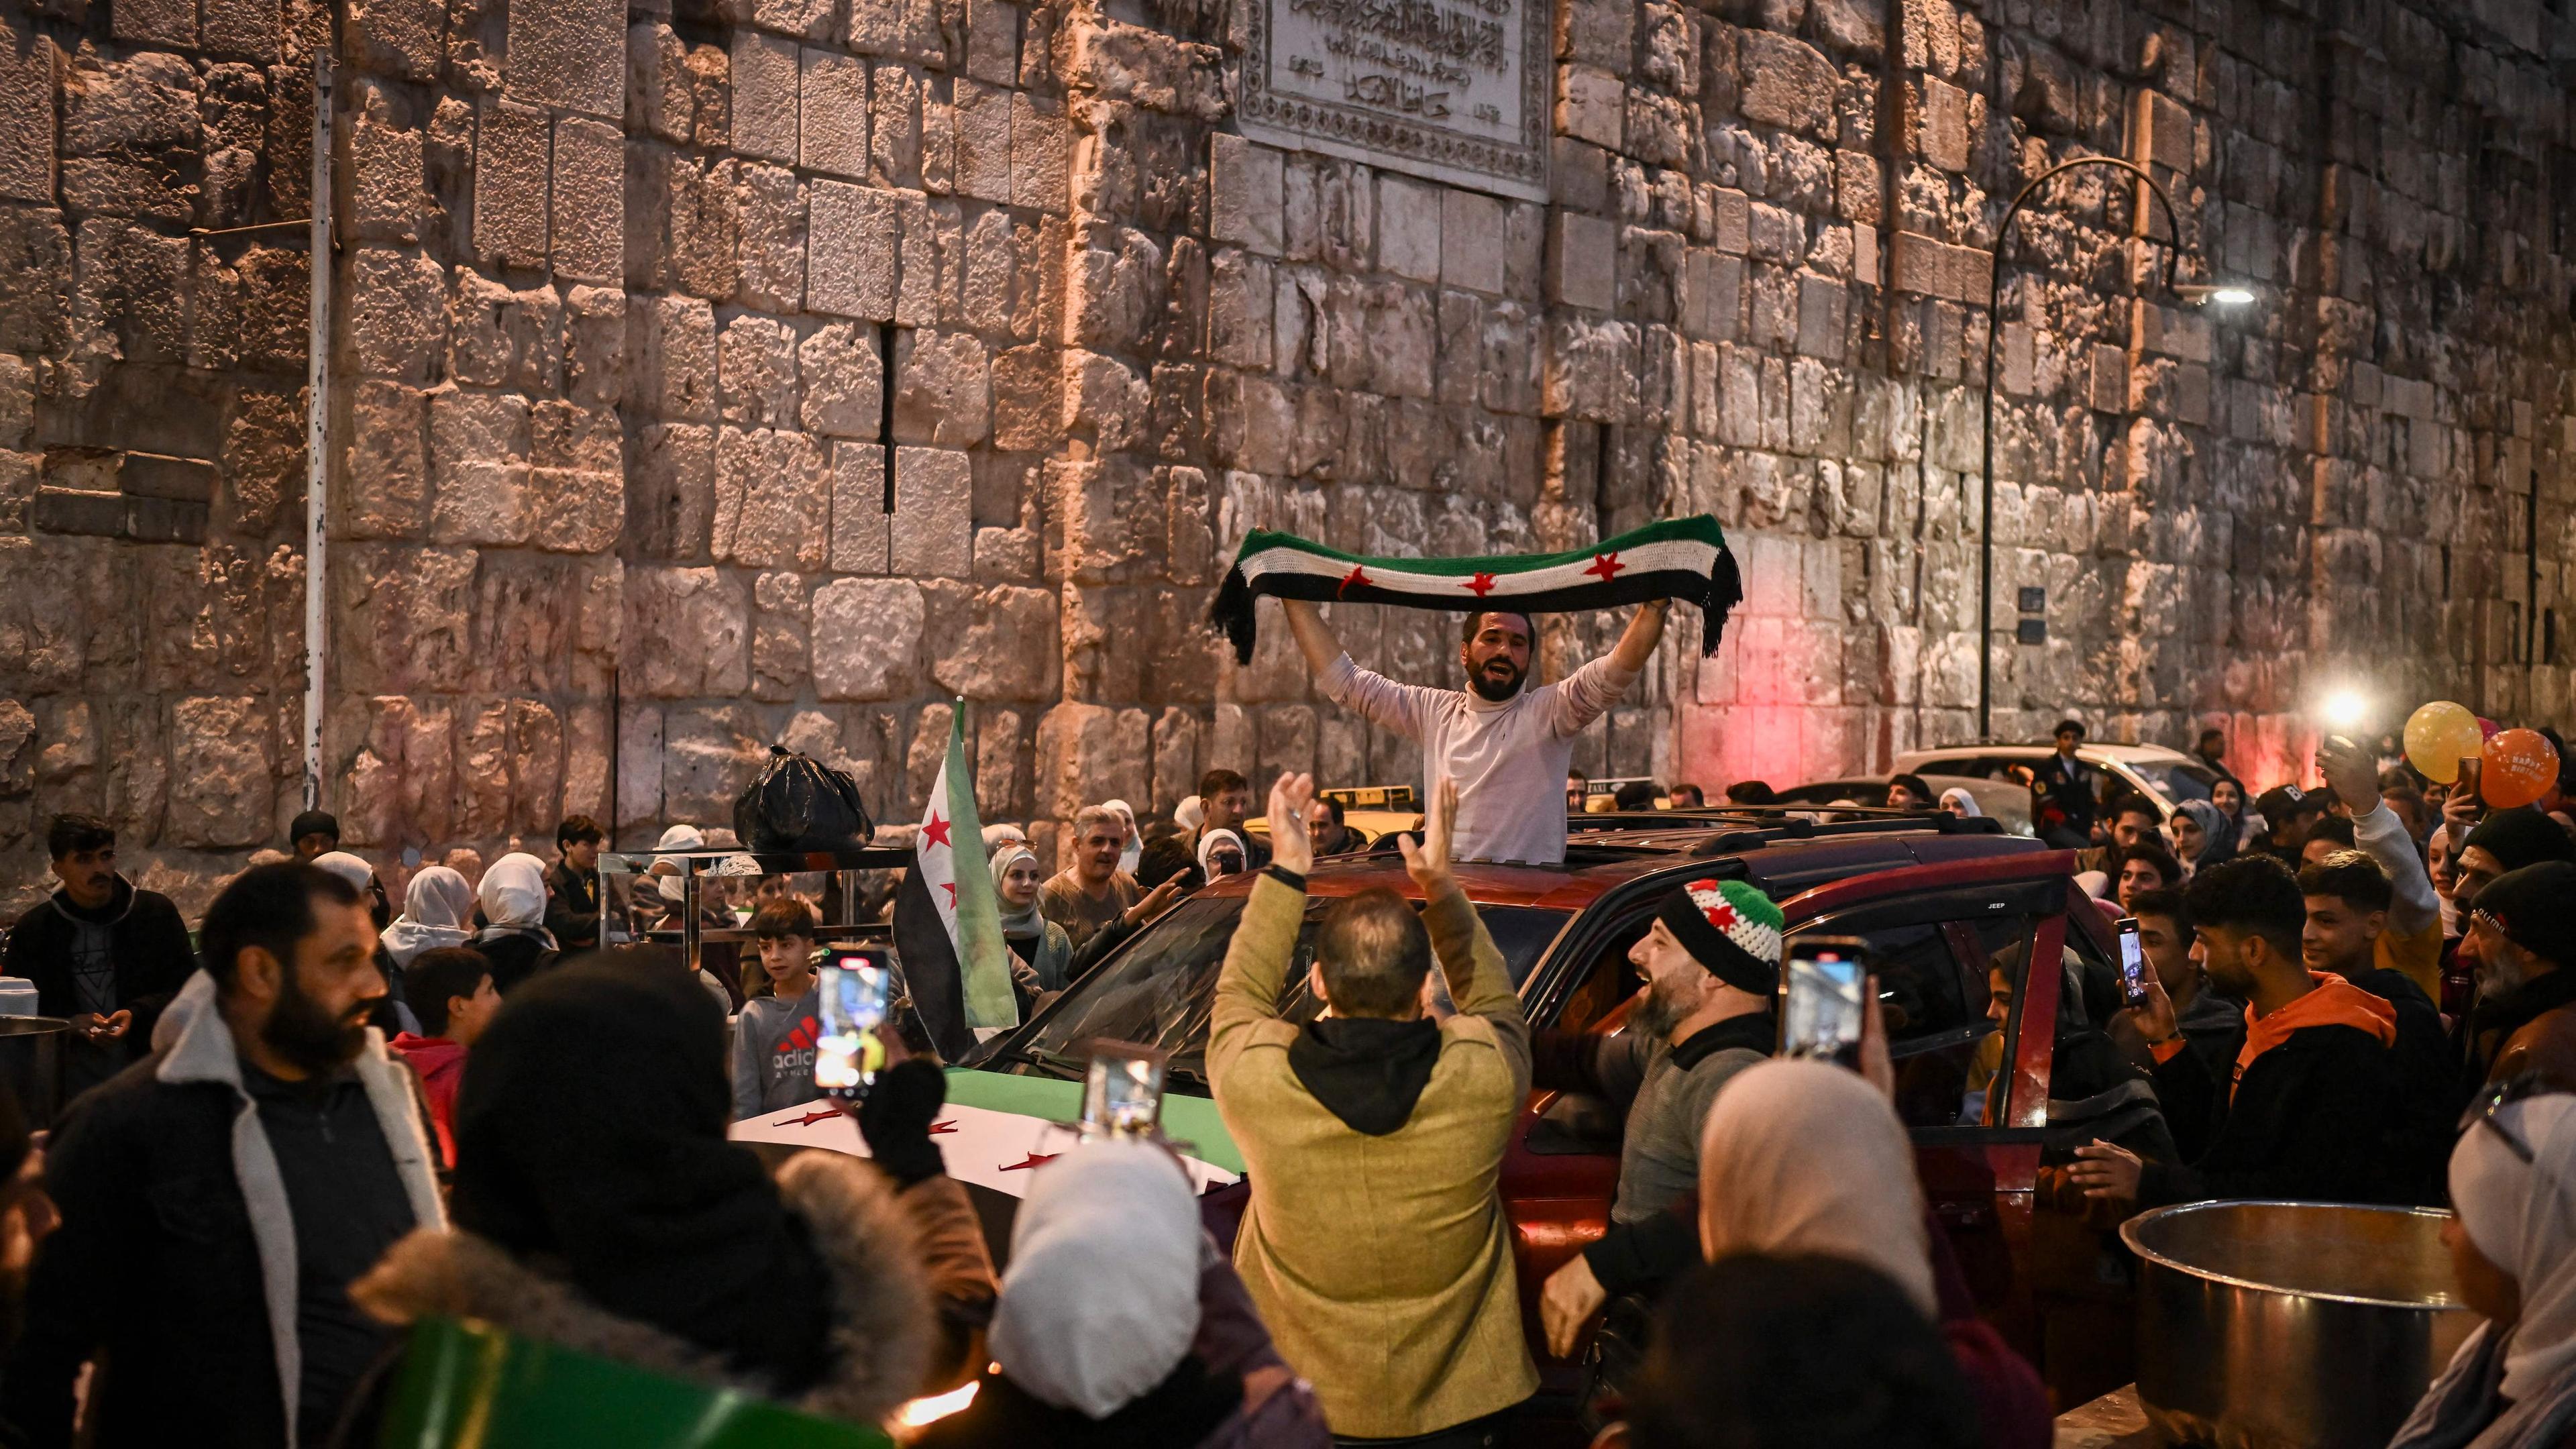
x=2439, y=736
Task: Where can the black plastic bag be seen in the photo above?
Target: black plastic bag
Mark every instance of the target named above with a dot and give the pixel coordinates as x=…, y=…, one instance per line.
x=797, y=803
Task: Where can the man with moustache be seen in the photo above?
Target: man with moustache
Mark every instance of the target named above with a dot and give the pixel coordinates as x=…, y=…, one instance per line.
x=218, y=1196
x=1711, y=960
x=1508, y=748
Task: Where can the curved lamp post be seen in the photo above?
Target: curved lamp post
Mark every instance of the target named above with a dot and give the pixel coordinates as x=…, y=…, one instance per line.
x=2196, y=294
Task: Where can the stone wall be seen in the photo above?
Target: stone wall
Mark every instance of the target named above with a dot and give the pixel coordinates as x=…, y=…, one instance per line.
x=621, y=493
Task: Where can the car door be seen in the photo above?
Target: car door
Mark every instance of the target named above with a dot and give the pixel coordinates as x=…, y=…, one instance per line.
x=1972, y=1084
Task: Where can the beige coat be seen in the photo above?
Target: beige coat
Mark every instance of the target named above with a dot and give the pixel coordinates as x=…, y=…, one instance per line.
x=1383, y=1265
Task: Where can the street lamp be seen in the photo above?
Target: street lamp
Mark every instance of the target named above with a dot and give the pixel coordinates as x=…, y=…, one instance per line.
x=2198, y=294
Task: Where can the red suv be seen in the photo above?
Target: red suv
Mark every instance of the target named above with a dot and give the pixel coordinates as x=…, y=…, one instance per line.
x=1941, y=902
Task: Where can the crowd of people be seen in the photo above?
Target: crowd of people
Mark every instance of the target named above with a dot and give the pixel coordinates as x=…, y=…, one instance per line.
x=326, y=1120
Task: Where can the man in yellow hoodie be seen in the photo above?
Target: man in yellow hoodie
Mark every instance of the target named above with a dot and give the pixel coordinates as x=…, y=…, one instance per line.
x=1375, y=1244
x=2303, y=1109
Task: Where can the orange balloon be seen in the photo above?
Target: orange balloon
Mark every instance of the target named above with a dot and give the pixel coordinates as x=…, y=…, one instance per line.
x=2520, y=767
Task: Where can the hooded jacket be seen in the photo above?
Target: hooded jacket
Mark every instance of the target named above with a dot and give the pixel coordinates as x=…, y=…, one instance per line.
x=146, y=937
x=2306, y=1115
x=1381, y=1261
x=439, y=1063
x=177, y=1251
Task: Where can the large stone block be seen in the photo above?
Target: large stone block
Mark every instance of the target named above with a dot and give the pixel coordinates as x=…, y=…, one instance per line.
x=594, y=345
x=27, y=67
x=867, y=637
x=994, y=643
x=832, y=116
x=223, y=782
x=403, y=619
x=933, y=526
x=1090, y=752
x=756, y=367
x=983, y=121
x=1040, y=143
x=688, y=633
x=397, y=313
x=401, y=38
x=659, y=97
x=773, y=495
x=861, y=521
x=497, y=337
x=382, y=483
x=766, y=75
x=478, y=452
x=589, y=201
x=672, y=367
x=842, y=381
x=568, y=53
x=671, y=494
x=1788, y=83
x=851, y=251
x=943, y=389
x=512, y=156
x=129, y=130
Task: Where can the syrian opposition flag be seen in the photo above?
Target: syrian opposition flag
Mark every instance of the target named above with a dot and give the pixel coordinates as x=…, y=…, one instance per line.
x=1681, y=558
x=947, y=920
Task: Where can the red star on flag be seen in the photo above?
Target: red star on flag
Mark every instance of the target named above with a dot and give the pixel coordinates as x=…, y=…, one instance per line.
x=950, y=886
x=808, y=1120
x=1480, y=585
x=1357, y=578
x=1606, y=565
x=1034, y=1159
x=938, y=1127
x=936, y=831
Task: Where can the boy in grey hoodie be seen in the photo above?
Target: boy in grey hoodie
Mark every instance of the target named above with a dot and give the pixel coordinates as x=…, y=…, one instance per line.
x=773, y=1039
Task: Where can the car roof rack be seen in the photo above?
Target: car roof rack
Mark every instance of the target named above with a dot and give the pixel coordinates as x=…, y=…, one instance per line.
x=1751, y=827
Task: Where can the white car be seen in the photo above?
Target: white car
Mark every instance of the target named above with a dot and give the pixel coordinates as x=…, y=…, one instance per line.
x=2167, y=777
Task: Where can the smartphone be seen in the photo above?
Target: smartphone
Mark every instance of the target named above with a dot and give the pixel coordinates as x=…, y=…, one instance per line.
x=2133, y=964
x=855, y=991
x=1820, y=1013
x=1122, y=1095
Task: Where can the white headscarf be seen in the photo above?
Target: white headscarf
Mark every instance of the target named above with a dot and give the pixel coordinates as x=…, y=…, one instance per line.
x=681, y=838
x=513, y=894
x=1019, y=922
x=1134, y=850
x=1210, y=839
x=1959, y=802
x=1807, y=1157
x=996, y=835
x=2522, y=1217
x=1190, y=814
x=436, y=907
x=1101, y=1301
x=347, y=867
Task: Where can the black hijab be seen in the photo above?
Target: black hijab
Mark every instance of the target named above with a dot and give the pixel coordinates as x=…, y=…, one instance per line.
x=590, y=1133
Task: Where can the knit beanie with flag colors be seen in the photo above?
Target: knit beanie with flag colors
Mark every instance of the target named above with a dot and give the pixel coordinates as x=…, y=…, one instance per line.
x=1731, y=928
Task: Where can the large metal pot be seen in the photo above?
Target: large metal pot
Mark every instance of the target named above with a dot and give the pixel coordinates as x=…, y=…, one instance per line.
x=31, y=1064
x=2264, y=1324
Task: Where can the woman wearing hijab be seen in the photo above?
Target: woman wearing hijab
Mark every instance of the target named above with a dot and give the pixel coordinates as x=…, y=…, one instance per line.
x=1038, y=943
x=1135, y=850
x=1220, y=853
x=1121, y=1323
x=2201, y=836
x=597, y=1205
x=2228, y=797
x=1959, y=802
x=436, y=906
x=393, y=1015
x=514, y=937
x=1802, y=1157
x=2512, y=1385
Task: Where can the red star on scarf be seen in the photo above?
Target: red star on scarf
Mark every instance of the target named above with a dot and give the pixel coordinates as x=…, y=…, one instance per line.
x=1357, y=578
x=936, y=830
x=1480, y=585
x=1034, y=1159
x=808, y=1120
x=1606, y=565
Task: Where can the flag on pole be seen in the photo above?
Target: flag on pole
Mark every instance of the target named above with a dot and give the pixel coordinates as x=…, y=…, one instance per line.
x=947, y=918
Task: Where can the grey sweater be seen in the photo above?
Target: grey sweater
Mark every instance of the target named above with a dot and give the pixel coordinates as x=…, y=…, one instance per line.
x=773, y=1054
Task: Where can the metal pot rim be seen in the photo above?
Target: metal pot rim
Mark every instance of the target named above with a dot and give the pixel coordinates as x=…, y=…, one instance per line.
x=2161, y=1260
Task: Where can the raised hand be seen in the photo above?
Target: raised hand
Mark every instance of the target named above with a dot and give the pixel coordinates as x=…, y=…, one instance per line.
x=2350, y=772
x=1153, y=902
x=1428, y=862
x=1290, y=849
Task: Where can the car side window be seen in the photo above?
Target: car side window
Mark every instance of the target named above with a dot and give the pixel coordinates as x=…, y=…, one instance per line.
x=1936, y=958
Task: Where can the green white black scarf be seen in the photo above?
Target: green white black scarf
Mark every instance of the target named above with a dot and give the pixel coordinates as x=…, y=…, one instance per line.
x=1681, y=558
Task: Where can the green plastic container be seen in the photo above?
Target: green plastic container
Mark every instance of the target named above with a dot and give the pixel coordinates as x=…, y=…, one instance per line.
x=470, y=1386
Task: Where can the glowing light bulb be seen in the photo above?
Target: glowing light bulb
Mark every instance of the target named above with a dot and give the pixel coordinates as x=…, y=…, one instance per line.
x=2343, y=710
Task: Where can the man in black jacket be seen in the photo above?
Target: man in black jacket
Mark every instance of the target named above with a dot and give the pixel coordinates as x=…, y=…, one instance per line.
x=105, y=955
x=219, y=1196
x=572, y=884
x=2348, y=899
x=2303, y=1111
x=2070, y=792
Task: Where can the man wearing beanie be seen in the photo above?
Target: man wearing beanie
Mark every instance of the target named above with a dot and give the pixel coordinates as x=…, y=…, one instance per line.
x=314, y=833
x=2523, y=938
x=2506, y=840
x=1712, y=965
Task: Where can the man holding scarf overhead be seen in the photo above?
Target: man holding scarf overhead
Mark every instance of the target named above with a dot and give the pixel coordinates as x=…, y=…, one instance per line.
x=1507, y=746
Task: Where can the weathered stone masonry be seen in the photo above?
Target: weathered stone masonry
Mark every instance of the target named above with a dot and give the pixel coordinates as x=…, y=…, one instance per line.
x=609, y=467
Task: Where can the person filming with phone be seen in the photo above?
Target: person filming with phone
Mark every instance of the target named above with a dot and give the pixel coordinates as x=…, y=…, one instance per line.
x=1711, y=960
x=1375, y=1244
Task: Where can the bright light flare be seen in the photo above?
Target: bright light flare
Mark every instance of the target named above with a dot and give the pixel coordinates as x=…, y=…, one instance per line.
x=938, y=1406
x=2231, y=297
x=2343, y=710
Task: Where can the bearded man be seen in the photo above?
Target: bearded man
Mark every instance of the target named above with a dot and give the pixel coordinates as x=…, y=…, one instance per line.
x=1507, y=747
x=219, y=1196
x=1712, y=966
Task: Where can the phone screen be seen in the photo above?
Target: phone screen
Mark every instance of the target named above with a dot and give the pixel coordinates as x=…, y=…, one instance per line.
x=854, y=993
x=1122, y=1096
x=1823, y=1011
x=2133, y=963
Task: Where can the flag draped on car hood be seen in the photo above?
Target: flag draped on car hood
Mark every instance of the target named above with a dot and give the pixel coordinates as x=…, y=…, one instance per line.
x=947, y=920
x=1680, y=558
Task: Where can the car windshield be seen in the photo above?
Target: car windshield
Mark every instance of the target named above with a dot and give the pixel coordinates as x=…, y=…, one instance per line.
x=1159, y=989
x=2176, y=780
